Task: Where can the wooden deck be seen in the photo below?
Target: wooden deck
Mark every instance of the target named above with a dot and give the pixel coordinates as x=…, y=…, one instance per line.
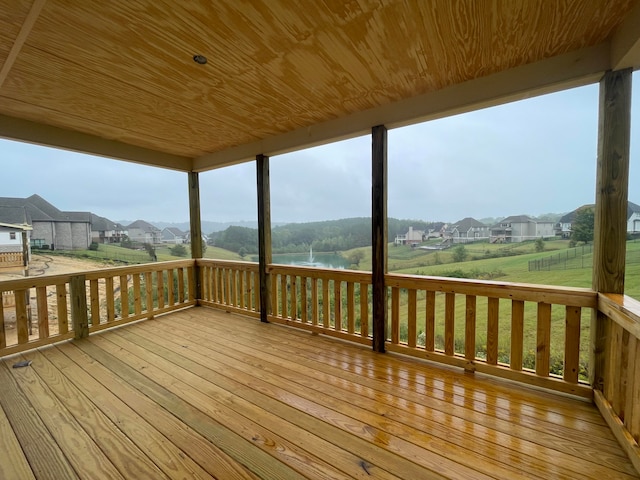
x=201, y=394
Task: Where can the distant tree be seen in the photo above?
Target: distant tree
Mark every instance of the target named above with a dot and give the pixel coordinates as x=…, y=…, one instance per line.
x=93, y=246
x=539, y=245
x=355, y=257
x=459, y=254
x=178, y=251
x=242, y=252
x=151, y=250
x=126, y=242
x=582, y=225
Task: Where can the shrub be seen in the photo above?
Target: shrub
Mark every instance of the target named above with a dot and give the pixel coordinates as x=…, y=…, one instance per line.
x=178, y=251
x=93, y=246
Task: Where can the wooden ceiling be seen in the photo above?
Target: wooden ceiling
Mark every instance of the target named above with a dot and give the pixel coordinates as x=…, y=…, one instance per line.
x=118, y=78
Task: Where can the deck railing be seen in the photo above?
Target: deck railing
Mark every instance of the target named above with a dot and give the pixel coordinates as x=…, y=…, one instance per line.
x=232, y=286
x=619, y=397
x=41, y=310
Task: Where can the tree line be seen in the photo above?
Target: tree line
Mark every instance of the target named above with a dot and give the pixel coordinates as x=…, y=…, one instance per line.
x=326, y=236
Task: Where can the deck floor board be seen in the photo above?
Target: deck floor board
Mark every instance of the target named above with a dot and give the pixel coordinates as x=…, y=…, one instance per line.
x=205, y=394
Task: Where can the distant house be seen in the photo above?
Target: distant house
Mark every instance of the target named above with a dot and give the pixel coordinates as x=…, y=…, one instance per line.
x=15, y=235
x=144, y=232
x=53, y=228
x=412, y=237
x=468, y=230
x=633, y=218
x=104, y=230
x=173, y=235
x=519, y=228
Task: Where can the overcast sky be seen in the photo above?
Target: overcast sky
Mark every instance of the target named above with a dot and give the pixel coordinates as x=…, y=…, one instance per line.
x=530, y=157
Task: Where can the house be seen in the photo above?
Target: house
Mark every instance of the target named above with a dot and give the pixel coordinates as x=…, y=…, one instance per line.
x=53, y=228
x=144, y=232
x=519, y=228
x=173, y=235
x=469, y=230
x=633, y=218
x=104, y=230
x=412, y=237
x=15, y=235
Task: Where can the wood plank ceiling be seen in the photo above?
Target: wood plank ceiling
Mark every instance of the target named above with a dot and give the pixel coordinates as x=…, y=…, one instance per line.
x=118, y=78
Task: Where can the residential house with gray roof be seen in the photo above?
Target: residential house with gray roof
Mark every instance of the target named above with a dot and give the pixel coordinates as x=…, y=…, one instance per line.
x=173, y=235
x=52, y=227
x=519, y=228
x=144, y=232
x=104, y=230
x=15, y=233
x=469, y=230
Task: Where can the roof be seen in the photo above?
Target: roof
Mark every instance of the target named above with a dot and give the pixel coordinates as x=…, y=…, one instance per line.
x=102, y=224
x=175, y=231
x=39, y=210
x=13, y=215
x=517, y=219
x=119, y=79
x=466, y=224
x=142, y=225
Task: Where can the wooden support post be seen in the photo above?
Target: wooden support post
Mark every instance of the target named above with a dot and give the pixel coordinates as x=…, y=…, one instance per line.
x=79, y=315
x=196, y=229
x=379, y=235
x=264, y=235
x=612, y=186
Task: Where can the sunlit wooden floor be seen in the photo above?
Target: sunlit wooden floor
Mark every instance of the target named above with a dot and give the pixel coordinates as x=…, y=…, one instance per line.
x=201, y=393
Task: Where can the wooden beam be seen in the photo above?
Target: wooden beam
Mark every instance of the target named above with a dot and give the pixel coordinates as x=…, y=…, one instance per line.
x=573, y=69
x=625, y=43
x=612, y=186
x=27, y=25
x=264, y=235
x=196, y=228
x=27, y=131
x=379, y=235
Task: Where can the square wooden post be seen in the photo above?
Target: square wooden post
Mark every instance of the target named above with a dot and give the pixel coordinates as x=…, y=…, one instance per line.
x=79, y=316
x=612, y=188
x=264, y=235
x=196, y=229
x=379, y=235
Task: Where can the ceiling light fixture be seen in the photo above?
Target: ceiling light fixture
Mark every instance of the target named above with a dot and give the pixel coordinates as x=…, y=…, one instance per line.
x=200, y=59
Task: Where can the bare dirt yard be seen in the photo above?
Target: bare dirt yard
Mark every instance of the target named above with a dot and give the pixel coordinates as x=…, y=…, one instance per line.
x=43, y=265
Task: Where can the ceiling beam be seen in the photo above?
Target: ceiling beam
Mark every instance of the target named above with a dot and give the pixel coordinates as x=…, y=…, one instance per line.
x=21, y=38
x=20, y=130
x=625, y=43
x=569, y=70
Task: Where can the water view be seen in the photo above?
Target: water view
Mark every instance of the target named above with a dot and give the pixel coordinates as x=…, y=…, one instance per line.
x=321, y=260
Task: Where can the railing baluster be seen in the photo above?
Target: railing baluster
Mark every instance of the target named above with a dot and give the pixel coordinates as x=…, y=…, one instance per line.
x=314, y=301
x=283, y=296
x=304, y=313
x=364, y=310
x=43, y=312
x=517, y=334
x=337, y=304
x=180, y=272
x=294, y=297
x=190, y=272
x=3, y=335
x=170, y=294
x=22, y=315
x=449, y=322
x=572, y=344
x=137, y=301
x=632, y=400
x=325, y=303
x=111, y=310
x=543, y=339
x=94, y=301
x=395, y=315
x=412, y=308
x=470, y=328
x=124, y=296
x=430, y=321
x=493, y=311
x=160, y=288
x=63, y=313
x=351, y=308
x=274, y=294
x=241, y=289
x=613, y=383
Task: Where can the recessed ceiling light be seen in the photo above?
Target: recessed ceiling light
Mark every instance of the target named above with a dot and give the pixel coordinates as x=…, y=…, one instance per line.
x=201, y=59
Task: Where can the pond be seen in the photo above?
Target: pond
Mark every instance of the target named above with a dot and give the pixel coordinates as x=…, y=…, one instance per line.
x=320, y=260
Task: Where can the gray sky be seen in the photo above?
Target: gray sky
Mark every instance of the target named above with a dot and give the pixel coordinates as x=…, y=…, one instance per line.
x=531, y=157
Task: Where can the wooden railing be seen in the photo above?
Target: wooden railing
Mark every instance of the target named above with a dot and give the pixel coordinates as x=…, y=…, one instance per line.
x=11, y=259
x=619, y=398
x=502, y=329
x=43, y=310
x=333, y=302
x=232, y=286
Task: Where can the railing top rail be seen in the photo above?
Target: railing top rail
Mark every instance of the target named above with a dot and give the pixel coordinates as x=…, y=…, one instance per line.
x=622, y=309
x=237, y=264
x=32, y=282
x=323, y=273
x=579, y=297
